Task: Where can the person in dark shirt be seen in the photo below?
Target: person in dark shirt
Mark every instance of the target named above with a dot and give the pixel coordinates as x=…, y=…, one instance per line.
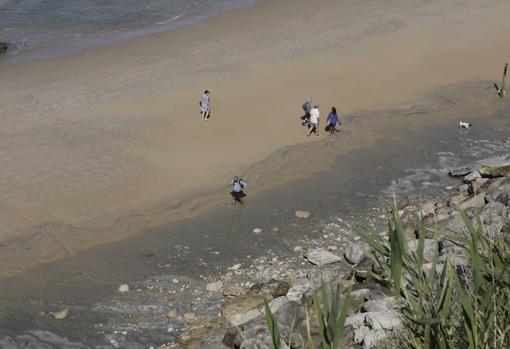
x=332, y=120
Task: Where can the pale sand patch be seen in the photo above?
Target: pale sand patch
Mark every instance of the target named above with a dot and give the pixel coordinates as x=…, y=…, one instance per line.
x=108, y=142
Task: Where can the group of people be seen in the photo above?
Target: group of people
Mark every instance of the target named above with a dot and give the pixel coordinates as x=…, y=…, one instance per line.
x=312, y=117
x=310, y=120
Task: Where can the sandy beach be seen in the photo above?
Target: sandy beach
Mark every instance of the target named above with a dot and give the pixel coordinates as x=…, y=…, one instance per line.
x=109, y=142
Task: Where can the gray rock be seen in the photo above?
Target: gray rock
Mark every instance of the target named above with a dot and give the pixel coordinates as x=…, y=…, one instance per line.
x=460, y=172
x=454, y=224
x=476, y=201
x=360, y=333
x=298, y=289
x=214, y=341
x=499, y=191
x=214, y=286
x=495, y=171
x=254, y=344
x=302, y=214
x=429, y=250
x=243, y=318
x=478, y=185
x=234, y=291
x=355, y=320
x=273, y=287
x=290, y=314
x=494, y=215
x=381, y=305
x=322, y=257
x=354, y=253
x=372, y=338
x=472, y=177
x=383, y=320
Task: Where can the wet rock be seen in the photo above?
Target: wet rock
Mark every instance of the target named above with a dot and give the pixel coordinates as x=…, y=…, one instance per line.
x=472, y=177
x=460, y=172
x=214, y=286
x=124, y=288
x=302, y=214
x=274, y=288
x=322, y=257
x=354, y=253
x=429, y=251
x=62, y=314
x=495, y=171
x=3, y=47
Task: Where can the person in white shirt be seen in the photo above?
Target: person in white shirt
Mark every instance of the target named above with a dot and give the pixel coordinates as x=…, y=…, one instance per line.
x=205, y=109
x=314, y=121
x=237, y=194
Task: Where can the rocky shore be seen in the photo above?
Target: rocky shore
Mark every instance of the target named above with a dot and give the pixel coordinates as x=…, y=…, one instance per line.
x=339, y=257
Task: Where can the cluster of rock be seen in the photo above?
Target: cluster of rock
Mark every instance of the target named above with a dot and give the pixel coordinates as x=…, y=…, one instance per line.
x=374, y=315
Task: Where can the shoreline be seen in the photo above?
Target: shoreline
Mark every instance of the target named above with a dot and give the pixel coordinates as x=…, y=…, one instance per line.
x=71, y=46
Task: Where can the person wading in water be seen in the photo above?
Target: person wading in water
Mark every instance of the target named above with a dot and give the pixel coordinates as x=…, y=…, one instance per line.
x=237, y=193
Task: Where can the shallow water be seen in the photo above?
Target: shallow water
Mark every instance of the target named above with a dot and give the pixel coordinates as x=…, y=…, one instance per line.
x=69, y=25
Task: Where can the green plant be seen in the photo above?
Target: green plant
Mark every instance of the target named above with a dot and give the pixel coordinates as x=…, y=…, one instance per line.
x=272, y=326
x=445, y=308
x=331, y=316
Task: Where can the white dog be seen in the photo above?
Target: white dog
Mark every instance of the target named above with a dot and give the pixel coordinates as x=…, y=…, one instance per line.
x=465, y=125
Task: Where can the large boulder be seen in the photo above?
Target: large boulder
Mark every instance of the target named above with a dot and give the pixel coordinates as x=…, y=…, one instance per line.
x=499, y=191
x=495, y=171
x=494, y=215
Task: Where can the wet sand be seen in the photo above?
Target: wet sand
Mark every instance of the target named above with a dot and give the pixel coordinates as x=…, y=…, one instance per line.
x=356, y=182
x=108, y=143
